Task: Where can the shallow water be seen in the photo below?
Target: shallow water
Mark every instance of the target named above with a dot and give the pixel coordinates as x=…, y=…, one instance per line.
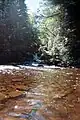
x=30, y=94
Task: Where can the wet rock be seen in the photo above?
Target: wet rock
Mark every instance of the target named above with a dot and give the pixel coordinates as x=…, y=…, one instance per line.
x=14, y=93
x=2, y=96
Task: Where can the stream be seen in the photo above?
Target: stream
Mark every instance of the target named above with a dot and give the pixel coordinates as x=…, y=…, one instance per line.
x=37, y=93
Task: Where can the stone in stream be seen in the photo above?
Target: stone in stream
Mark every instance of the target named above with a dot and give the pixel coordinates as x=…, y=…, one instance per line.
x=31, y=116
x=2, y=96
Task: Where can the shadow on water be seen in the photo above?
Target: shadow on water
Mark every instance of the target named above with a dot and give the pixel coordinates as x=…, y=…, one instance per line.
x=40, y=95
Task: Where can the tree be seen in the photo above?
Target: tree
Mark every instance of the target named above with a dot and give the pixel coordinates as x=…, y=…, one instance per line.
x=59, y=30
x=71, y=24
x=17, y=33
x=51, y=19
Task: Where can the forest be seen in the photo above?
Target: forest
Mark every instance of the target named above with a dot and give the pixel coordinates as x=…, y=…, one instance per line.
x=52, y=33
x=40, y=60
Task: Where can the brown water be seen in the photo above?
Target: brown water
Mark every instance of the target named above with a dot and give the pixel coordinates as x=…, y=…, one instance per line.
x=40, y=95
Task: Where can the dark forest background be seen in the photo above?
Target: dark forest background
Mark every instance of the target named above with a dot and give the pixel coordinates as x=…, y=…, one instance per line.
x=52, y=34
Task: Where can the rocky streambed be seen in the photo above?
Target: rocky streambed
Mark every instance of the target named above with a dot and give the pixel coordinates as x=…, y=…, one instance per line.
x=39, y=94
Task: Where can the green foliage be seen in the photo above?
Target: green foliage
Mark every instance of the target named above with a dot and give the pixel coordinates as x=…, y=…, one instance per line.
x=57, y=26
x=17, y=34
x=51, y=19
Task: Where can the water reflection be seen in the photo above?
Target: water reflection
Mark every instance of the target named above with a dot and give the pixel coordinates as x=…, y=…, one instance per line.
x=50, y=95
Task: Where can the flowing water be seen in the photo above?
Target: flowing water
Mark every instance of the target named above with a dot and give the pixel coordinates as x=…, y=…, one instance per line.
x=29, y=94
